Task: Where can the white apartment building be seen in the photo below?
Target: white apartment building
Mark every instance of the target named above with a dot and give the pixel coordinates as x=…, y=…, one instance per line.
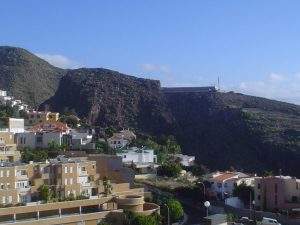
x=12, y=125
x=223, y=183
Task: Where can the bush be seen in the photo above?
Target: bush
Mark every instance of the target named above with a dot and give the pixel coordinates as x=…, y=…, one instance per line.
x=135, y=219
x=170, y=169
x=176, y=210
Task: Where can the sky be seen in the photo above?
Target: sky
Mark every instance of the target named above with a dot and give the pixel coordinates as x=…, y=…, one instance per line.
x=252, y=45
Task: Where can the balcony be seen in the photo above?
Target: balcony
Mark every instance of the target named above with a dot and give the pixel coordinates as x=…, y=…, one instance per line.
x=24, y=189
x=83, y=173
x=130, y=200
x=86, y=184
x=21, y=177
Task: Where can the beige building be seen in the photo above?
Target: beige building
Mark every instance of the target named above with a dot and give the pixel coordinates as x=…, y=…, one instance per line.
x=66, y=177
x=8, y=148
x=277, y=193
x=35, y=117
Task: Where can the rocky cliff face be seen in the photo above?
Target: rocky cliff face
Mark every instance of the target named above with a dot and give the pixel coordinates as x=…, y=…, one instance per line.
x=27, y=77
x=221, y=129
x=108, y=98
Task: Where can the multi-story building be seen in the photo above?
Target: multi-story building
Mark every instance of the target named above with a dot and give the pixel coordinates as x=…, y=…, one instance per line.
x=8, y=148
x=223, y=183
x=66, y=177
x=277, y=193
x=40, y=135
x=13, y=125
x=143, y=161
x=35, y=117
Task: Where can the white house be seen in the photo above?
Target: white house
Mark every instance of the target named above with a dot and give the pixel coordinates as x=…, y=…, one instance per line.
x=138, y=156
x=121, y=139
x=42, y=134
x=81, y=139
x=223, y=183
x=185, y=160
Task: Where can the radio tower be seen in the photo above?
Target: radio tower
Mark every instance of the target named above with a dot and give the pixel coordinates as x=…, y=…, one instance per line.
x=218, y=83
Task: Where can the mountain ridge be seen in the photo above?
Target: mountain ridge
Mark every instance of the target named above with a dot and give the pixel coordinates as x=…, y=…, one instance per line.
x=222, y=129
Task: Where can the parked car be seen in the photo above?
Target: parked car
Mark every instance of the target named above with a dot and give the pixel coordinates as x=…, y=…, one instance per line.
x=268, y=221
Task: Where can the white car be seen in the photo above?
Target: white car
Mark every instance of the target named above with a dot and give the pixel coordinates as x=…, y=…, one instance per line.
x=269, y=221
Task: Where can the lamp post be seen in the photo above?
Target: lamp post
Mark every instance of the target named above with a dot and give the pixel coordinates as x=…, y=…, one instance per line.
x=204, y=193
x=168, y=213
x=253, y=203
x=207, y=205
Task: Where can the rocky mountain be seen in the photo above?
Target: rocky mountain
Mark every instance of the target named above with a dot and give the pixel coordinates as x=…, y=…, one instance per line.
x=108, y=98
x=26, y=76
x=221, y=129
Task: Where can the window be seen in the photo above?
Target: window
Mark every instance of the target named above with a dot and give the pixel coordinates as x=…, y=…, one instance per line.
x=9, y=199
x=3, y=199
x=225, y=185
x=7, y=173
x=71, y=169
x=2, y=186
x=219, y=185
x=258, y=197
x=1, y=173
x=276, y=188
x=66, y=169
x=39, y=139
x=8, y=185
x=258, y=186
x=66, y=181
x=71, y=180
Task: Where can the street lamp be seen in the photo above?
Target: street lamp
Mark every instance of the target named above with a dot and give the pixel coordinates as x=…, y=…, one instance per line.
x=204, y=193
x=253, y=203
x=207, y=205
x=168, y=213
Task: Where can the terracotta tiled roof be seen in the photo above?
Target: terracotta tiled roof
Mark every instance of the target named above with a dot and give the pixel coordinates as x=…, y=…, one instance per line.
x=50, y=127
x=224, y=176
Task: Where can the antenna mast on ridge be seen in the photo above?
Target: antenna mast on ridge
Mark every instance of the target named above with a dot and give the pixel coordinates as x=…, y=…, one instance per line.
x=218, y=83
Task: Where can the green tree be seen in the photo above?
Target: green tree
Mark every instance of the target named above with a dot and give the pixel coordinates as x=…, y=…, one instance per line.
x=46, y=193
x=176, y=210
x=135, y=219
x=103, y=147
x=109, y=131
x=243, y=191
x=170, y=169
x=71, y=120
x=37, y=155
x=107, y=186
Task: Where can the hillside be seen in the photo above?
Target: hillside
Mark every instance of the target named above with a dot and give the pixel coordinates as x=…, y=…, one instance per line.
x=230, y=129
x=108, y=98
x=221, y=129
x=26, y=76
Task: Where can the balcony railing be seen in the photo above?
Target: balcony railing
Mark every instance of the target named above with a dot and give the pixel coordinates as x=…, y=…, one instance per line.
x=83, y=173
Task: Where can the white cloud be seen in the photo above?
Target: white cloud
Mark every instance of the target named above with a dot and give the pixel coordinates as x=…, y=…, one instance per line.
x=274, y=86
x=275, y=77
x=59, y=60
x=149, y=67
